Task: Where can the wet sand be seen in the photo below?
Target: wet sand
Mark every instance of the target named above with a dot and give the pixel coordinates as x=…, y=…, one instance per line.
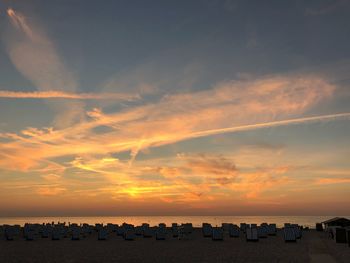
x=313, y=247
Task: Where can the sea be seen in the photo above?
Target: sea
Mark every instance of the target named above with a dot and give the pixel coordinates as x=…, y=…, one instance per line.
x=197, y=221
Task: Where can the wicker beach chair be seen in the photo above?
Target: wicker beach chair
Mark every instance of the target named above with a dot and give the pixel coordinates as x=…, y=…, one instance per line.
x=207, y=230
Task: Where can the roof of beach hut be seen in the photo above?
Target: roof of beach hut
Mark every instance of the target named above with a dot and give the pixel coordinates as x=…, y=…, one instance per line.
x=337, y=221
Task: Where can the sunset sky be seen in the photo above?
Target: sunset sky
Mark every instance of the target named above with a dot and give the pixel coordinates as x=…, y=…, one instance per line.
x=174, y=107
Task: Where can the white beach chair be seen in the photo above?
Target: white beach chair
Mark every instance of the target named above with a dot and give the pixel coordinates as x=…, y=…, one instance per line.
x=252, y=234
x=218, y=234
x=289, y=234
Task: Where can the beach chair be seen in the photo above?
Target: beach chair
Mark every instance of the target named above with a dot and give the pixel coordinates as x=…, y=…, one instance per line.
x=56, y=233
x=162, y=225
x=161, y=233
x=147, y=232
x=234, y=231
x=262, y=231
x=102, y=234
x=289, y=234
x=30, y=235
x=207, y=230
x=9, y=233
x=129, y=234
x=243, y=227
x=76, y=233
x=225, y=227
x=218, y=234
x=138, y=231
x=271, y=229
x=252, y=234
x=297, y=230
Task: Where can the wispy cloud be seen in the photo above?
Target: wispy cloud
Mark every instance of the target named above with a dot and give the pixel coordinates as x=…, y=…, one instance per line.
x=333, y=180
x=36, y=58
x=52, y=94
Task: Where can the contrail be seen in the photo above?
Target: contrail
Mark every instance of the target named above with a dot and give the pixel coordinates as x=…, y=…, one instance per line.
x=66, y=95
x=270, y=124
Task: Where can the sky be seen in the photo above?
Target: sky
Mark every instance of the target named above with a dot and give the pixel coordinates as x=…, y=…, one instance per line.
x=174, y=107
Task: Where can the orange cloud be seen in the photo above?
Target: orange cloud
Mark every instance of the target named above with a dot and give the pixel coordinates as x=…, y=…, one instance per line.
x=333, y=181
x=52, y=94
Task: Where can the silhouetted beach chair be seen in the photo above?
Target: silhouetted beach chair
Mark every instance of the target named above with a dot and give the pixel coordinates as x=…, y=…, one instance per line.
x=147, y=231
x=129, y=234
x=234, y=231
x=271, y=229
x=56, y=233
x=161, y=233
x=9, y=233
x=138, y=230
x=297, y=230
x=289, y=234
x=76, y=233
x=243, y=227
x=262, y=231
x=252, y=234
x=175, y=230
x=102, y=233
x=207, y=230
x=218, y=234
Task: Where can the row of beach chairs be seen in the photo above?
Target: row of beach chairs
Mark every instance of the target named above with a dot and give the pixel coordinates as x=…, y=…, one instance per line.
x=252, y=232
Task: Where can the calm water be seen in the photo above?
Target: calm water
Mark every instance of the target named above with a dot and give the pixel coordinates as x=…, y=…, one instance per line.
x=155, y=220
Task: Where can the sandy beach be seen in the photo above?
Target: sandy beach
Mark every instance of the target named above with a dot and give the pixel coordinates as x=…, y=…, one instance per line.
x=313, y=247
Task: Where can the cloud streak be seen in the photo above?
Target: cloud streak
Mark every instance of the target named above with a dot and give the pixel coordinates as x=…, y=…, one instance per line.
x=52, y=94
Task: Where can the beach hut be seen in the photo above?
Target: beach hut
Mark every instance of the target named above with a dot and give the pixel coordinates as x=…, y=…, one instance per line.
x=252, y=234
x=218, y=234
x=337, y=221
x=289, y=234
x=207, y=230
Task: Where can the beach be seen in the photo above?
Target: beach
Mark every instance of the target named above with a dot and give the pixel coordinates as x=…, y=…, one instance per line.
x=312, y=247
